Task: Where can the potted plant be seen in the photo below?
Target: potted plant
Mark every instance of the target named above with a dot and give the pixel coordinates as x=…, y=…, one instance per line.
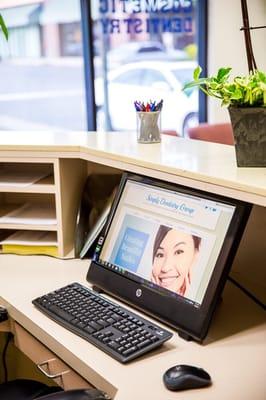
x=245, y=97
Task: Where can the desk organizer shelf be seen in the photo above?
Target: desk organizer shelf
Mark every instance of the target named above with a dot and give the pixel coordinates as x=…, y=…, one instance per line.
x=39, y=196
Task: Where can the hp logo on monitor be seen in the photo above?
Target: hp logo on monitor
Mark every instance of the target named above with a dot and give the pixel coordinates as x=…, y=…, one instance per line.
x=138, y=292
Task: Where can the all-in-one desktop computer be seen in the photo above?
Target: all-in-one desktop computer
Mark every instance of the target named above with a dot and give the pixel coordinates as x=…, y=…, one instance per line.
x=166, y=250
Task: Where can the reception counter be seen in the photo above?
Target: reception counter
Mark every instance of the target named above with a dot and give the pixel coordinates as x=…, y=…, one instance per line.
x=235, y=348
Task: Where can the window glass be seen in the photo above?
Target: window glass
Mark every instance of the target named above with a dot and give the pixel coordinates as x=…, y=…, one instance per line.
x=152, y=77
x=132, y=77
x=183, y=74
x=41, y=66
x=157, y=40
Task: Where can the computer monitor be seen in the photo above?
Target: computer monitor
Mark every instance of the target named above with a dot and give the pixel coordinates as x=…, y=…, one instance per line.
x=167, y=249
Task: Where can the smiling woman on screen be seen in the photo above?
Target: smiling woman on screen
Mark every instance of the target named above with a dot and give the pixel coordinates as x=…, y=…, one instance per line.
x=174, y=255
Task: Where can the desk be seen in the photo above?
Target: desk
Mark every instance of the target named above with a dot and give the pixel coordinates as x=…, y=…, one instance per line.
x=234, y=352
x=203, y=165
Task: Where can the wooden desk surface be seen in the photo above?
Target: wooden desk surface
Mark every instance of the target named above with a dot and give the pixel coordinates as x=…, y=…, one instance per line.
x=234, y=352
x=203, y=165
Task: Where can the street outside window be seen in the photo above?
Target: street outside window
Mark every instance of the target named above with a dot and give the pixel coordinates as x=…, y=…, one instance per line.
x=41, y=66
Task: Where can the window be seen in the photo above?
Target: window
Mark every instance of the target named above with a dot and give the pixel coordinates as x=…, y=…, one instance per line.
x=132, y=77
x=130, y=50
x=153, y=77
x=42, y=66
x=157, y=41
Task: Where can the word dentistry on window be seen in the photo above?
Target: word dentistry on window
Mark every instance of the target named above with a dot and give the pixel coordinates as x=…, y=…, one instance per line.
x=150, y=16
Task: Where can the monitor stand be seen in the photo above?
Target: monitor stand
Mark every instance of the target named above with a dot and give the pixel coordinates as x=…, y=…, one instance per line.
x=97, y=289
x=185, y=336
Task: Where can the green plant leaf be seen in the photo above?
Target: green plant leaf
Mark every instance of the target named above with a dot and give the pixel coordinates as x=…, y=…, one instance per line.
x=199, y=82
x=223, y=74
x=261, y=76
x=197, y=73
x=236, y=95
x=3, y=26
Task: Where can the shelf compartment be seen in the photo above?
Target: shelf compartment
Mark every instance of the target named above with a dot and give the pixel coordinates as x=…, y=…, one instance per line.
x=36, y=227
x=28, y=211
x=27, y=177
x=29, y=242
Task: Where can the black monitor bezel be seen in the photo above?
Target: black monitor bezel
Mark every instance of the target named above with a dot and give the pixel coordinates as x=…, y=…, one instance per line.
x=181, y=315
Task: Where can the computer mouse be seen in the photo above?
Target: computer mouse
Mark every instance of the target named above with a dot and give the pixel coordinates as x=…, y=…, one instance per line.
x=182, y=377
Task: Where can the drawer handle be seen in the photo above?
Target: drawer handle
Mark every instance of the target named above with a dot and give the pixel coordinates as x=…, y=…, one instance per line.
x=47, y=373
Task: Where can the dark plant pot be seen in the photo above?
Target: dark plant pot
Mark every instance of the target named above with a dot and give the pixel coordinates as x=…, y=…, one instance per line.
x=249, y=129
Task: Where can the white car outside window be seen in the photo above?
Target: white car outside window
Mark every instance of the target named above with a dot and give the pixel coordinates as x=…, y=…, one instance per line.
x=150, y=80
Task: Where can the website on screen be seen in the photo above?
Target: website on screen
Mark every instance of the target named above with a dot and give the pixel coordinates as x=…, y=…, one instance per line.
x=167, y=238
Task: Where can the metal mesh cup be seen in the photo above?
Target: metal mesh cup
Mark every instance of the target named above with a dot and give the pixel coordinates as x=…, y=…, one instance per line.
x=149, y=126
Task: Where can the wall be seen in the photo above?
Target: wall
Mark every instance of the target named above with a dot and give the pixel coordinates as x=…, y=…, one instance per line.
x=250, y=260
x=226, y=45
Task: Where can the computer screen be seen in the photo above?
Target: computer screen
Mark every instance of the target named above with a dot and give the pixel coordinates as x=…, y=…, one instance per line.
x=167, y=249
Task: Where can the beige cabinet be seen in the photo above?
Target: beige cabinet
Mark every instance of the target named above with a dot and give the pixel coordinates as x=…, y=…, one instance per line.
x=46, y=192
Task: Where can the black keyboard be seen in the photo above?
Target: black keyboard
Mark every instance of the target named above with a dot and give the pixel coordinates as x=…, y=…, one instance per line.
x=112, y=328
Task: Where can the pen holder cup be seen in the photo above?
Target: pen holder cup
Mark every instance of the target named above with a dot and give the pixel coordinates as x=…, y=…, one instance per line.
x=149, y=127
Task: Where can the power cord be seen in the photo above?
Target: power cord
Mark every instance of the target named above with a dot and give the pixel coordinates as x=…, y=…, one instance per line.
x=247, y=292
x=9, y=337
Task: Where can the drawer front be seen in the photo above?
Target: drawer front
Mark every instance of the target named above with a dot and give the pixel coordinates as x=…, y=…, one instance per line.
x=47, y=361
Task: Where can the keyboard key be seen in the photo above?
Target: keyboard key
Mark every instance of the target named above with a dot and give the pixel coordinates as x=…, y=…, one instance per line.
x=60, y=313
x=108, y=333
x=113, y=345
x=110, y=320
x=99, y=336
x=102, y=322
x=129, y=351
x=89, y=329
x=116, y=317
x=95, y=326
x=143, y=344
x=80, y=325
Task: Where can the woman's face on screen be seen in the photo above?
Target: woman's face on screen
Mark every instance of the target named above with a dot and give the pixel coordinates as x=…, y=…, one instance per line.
x=173, y=261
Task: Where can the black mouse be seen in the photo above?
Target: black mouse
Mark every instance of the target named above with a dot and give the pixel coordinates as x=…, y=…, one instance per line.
x=182, y=377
